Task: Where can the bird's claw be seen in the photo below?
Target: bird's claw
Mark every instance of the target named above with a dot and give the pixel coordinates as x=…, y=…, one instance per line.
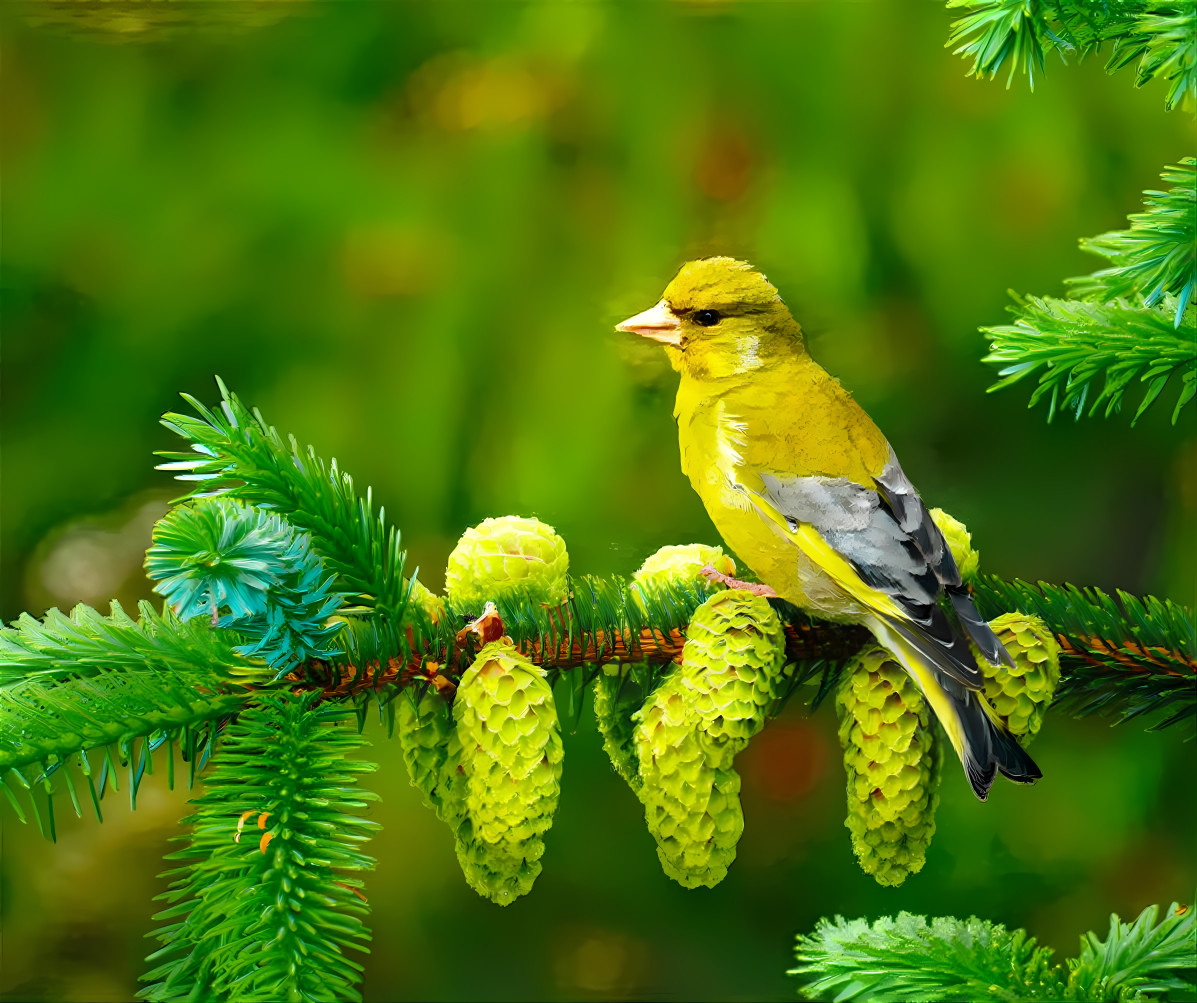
x=717, y=577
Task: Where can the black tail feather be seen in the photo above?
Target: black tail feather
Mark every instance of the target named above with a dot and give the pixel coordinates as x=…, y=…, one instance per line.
x=1012, y=758
x=990, y=749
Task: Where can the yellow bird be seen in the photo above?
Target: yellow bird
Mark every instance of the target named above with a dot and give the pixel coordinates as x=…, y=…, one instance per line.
x=807, y=491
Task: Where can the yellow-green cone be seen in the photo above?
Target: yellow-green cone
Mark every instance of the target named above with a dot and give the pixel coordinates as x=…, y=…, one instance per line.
x=511, y=758
x=689, y=731
x=680, y=565
x=690, y=791
x=424, y=727
x=893, y=764
x=431, y=604
x=732, y=664
x=960, y=542
x=505, y=556
x=616, y=698
x=1022, y=694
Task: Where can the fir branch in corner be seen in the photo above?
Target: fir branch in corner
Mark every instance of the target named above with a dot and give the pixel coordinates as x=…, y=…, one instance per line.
x=1164, y=41
x=1145, y=956
x=912, y=959
x=1162, y=37
x=262, y=904
x=243, y=457
x=1157, y=256
x=1074, y=344
x=83, y=694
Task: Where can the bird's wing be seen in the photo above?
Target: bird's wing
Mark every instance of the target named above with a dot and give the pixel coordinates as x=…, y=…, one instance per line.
x=880, y=545
x=915, y=521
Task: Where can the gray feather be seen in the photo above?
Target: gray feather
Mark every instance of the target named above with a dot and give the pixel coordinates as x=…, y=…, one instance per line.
x=889, y=537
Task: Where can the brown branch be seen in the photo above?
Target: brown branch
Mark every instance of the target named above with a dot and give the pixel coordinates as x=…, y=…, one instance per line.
x=1130, y=655
x=803, y=643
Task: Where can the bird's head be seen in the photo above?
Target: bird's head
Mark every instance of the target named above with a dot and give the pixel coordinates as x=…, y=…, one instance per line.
x=719, y=317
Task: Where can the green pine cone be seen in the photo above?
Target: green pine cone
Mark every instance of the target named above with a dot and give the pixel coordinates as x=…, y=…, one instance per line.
x=1022, y=694
x=507, y=556
x=511, y=758
x=688, y=733
x=432, y=605
x=960, y=542
x=424, y=727
x=893, y=761
x=680, y=565
x=616, y=698
x=690, y=792
x=732, y=664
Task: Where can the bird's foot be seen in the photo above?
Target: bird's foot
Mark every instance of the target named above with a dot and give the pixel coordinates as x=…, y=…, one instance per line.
x=756, y=588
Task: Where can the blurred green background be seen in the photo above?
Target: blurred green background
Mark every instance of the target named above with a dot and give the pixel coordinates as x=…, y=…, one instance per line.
x=405, y=231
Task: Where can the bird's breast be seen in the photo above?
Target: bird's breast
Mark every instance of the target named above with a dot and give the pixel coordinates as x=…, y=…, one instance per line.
x=716, y=445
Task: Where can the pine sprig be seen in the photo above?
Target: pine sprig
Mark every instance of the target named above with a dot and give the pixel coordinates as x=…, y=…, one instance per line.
x=270, y=916
x=1127, y=657
x=997, y=32
x=84, y=696
x=1157, y=256
x=1165, y=43
x=241, y=456
x=1074, y=344
x=216, y=555
x=1019, y=33
x=911, y=959
x=1144, y=956
x=62, y=646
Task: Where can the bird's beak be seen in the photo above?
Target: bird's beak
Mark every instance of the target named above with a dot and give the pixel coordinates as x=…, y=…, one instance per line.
x=657, y=322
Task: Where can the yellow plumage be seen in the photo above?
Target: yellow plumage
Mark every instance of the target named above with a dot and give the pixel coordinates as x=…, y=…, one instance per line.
x=807, y=492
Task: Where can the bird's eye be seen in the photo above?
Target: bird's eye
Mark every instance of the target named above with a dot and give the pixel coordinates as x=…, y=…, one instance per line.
x=706, y=318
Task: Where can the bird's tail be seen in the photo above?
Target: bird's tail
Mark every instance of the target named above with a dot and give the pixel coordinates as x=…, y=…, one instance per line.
x=987, y=747
x=983, y=743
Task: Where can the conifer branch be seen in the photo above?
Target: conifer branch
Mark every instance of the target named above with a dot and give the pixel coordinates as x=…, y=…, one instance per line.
x=84, y=694
x=1128, y=324
x=255, y=601
x=1164, y=41
x=216, y=555
x=243, y=457
x=1127, y=657
x=1074, y=344
x=271, y=915
x=1143, y=956
x=911, y=959
x=1157, y=256
x=1162, y=37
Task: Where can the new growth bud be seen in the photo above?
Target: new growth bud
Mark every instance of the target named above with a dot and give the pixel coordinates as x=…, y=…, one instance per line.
x=960, y=542
x=1022, y=694
x=506, y=556
x=682, y=564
